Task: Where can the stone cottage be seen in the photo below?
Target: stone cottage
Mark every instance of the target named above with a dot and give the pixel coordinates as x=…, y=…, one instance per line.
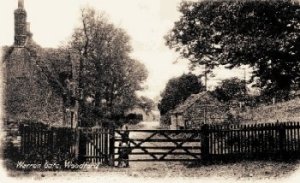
x=196, y=110
x=32, y=91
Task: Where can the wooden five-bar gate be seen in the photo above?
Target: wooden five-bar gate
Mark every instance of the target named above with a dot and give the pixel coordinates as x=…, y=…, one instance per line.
x=161, y=145
x=211, y=142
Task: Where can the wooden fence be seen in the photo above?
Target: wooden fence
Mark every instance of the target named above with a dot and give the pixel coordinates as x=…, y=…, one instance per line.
x=274, y=140
x=211, y=142
x=40, y=143
x=95, y=145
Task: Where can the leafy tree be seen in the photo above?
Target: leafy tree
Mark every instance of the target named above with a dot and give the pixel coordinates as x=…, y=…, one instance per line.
x=177, y=90
x=230, y=89
x=107, y=74
x=263, y=34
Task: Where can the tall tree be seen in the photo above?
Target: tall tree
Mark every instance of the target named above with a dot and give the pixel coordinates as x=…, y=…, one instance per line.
x=263, y=34
x=177, y=90
x=107, y=74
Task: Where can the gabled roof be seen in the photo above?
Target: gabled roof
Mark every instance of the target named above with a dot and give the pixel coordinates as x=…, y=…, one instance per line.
x=203, y=96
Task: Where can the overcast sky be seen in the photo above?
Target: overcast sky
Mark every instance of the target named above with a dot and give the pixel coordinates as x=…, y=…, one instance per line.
x=146, y=21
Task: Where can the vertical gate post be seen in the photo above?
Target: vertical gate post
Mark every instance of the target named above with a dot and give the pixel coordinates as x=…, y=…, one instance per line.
x=82, y=141
x=112, y=146
x=76, y=139
x=22, y=135
x=205, y=143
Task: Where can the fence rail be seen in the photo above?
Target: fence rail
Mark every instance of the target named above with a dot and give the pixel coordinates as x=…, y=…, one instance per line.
x=211, y=142
x=160, y=145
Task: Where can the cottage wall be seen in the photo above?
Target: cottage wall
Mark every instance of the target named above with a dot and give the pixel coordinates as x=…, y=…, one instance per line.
x=197, y=110
x=198, y=114
x=173, y=125
x=27, y=94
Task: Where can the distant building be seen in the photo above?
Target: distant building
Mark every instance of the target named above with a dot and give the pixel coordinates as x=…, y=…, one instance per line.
x=147, y=116
x=196, y=110
x=29, y=90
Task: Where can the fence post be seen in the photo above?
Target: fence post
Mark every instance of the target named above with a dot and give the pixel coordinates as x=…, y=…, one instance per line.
x=54, y=142
x=282, y=140
x=112, y=146
x=205, y=142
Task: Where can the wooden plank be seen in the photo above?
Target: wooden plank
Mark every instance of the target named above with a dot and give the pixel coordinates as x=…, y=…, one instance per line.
x=178, y=146
x=210, y=141
x=105, y=145
x=292, y=137
x=262, y=141
x=215, y=141
x=102, y=145
x=270, y=137
x=295, y=136
x=94, y=145
x=159, y=131
x=286, y=139
x=93, y=156
x=244, y=142
x=99, y=145
x=234, y=134
x=251, y=137
x=298, y=136
x=162, y=153
x=239, y=136
x=137, y=140
x=222, y=141
x=219, y=145
x=161, y=160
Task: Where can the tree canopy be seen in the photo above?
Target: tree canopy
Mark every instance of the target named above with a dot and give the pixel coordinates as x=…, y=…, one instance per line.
x=230, y=89
x=107, y=73
x=263, y=34
x=177, y=90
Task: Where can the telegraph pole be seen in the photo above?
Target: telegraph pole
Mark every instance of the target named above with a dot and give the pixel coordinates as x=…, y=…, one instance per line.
x=245, y=85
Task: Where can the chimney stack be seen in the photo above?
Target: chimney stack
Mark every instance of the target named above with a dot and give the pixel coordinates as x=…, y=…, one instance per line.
x=21, y=4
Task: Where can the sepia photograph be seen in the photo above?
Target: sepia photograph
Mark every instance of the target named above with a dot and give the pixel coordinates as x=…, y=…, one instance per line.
x=149, y=91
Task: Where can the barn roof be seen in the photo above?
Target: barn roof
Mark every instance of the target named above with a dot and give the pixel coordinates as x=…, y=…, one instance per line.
x=200, y=97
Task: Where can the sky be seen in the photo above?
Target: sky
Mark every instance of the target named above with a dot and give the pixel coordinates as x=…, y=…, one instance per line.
x=146, y=21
